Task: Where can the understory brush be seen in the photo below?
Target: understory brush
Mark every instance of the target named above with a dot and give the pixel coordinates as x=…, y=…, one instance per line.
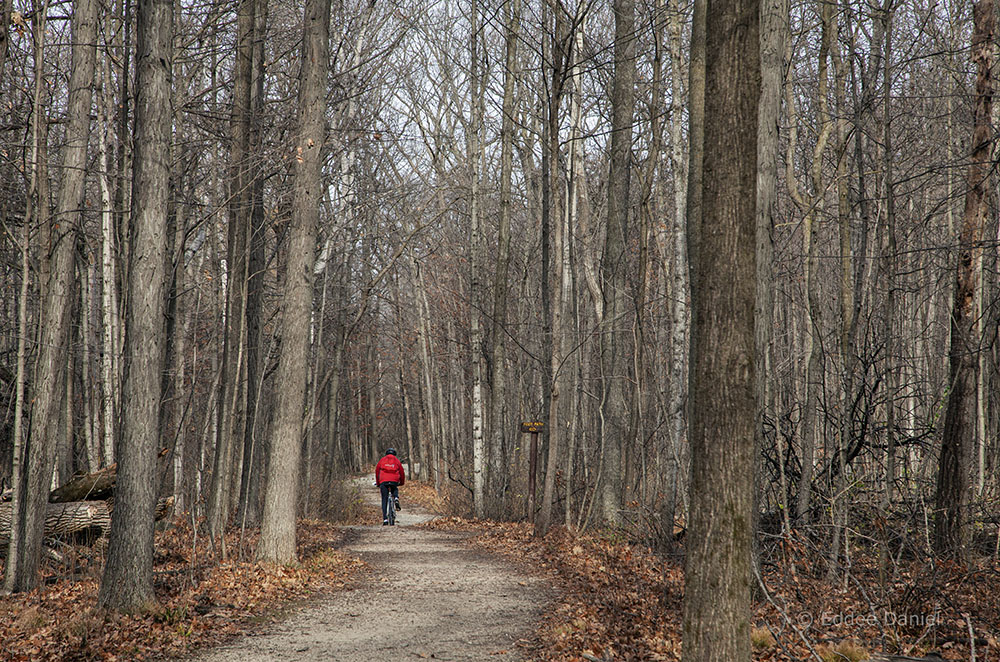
x=620, y=601
x=201, y=598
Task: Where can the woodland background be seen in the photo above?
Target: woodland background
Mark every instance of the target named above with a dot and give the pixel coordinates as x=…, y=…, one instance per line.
x=500, y=235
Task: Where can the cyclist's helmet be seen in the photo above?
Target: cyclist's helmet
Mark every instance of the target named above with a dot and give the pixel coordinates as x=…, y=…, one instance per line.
x=390, y=451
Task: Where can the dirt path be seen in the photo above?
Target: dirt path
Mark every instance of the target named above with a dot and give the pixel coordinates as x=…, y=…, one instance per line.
x=445, y=601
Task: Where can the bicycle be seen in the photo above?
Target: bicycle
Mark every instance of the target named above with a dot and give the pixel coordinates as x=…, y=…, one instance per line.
x=391, y=503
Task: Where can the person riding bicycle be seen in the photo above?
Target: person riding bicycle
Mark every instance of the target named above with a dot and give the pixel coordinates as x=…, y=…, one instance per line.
x=389, y=475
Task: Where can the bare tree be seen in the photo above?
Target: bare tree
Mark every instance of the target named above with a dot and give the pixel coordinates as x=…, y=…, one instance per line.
x=499, y=405
x=615, y=412
x=718, y=571
x=954, y=474
x=556, y=56
x=127, y=583
x=277, y=536
x=59, y=294
x=773, y=38
x=476, y=259
x=17, y=576
x=232, y=386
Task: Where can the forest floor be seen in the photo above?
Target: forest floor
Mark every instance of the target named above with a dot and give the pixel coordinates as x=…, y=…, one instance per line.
x=455, y=589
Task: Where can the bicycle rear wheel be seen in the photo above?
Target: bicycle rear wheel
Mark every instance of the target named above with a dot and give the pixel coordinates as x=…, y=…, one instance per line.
x=391, y=511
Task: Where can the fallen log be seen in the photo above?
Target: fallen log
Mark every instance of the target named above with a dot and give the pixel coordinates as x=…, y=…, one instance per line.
x=95, y=486
x=63, y=519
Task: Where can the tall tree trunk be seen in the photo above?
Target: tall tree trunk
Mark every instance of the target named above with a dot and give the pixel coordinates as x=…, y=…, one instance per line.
x=277, y=536
x=678, y=267
x=127, y=584
x=5, y=9
x=54, y=334
x=575, y=189
x=614, y=365
x=250, y=481
x=430, y=415
x=718, y=571
x=17, y=479
x=811, y=207
x=552, y=247
x=774, y=35
x=498, y=362
x=545, y=221
x=110, y=312
x=30, y=458
x=889, y=315
x=476, y=260
x=233, y=385
x=953, y=482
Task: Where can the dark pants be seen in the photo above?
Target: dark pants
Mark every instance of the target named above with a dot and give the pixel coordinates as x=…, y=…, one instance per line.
x=387, y=487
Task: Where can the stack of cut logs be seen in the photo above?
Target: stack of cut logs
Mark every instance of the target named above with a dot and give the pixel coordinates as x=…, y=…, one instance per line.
x=85, y=502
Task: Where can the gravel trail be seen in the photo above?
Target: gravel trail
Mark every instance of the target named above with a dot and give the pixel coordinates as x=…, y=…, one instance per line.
x=428, y=596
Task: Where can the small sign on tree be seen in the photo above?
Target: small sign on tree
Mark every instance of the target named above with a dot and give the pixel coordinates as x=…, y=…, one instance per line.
x=533, y=428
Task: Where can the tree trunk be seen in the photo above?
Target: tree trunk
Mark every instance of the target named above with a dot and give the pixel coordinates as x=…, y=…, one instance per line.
x=277, y=536
x=499, y=418
x=127, y=584
x=773, y=39
x=17, y=479
x=5, y=8
x=249, y=509
x=678, y=268
x=614, y=365
x=718, y=571
x=110, y=315
x=552, y=246
x=953, y=482
x=476, y=260
x=97, y=485
x=811, y=207
x=432, y=437
x=232, y=407
x=58, y=299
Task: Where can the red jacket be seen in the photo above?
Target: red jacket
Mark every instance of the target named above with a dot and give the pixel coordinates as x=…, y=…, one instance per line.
x=389, y=468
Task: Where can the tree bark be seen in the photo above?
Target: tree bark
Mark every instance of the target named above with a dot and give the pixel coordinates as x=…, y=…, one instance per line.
x=675, y=245
x=127, y=583
x=250, y=481
x=476, y=260
x=54, y=335
x=774, y=36
x=232, y=386
x=717, y=587
x=18, y=480
x=5, y=9
x=614, y=366
x=110, y=313
x=552, y=279
x=953, y=482
x=498, y=364
x=277, y=536
x=811, y=207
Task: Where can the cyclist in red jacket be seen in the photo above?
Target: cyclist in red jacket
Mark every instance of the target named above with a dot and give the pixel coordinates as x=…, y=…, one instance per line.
x=389, y=475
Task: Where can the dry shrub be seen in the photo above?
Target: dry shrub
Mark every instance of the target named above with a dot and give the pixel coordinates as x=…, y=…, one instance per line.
x=845, y=651
x=341, y=502
x=30, y=620
x=761, y=639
